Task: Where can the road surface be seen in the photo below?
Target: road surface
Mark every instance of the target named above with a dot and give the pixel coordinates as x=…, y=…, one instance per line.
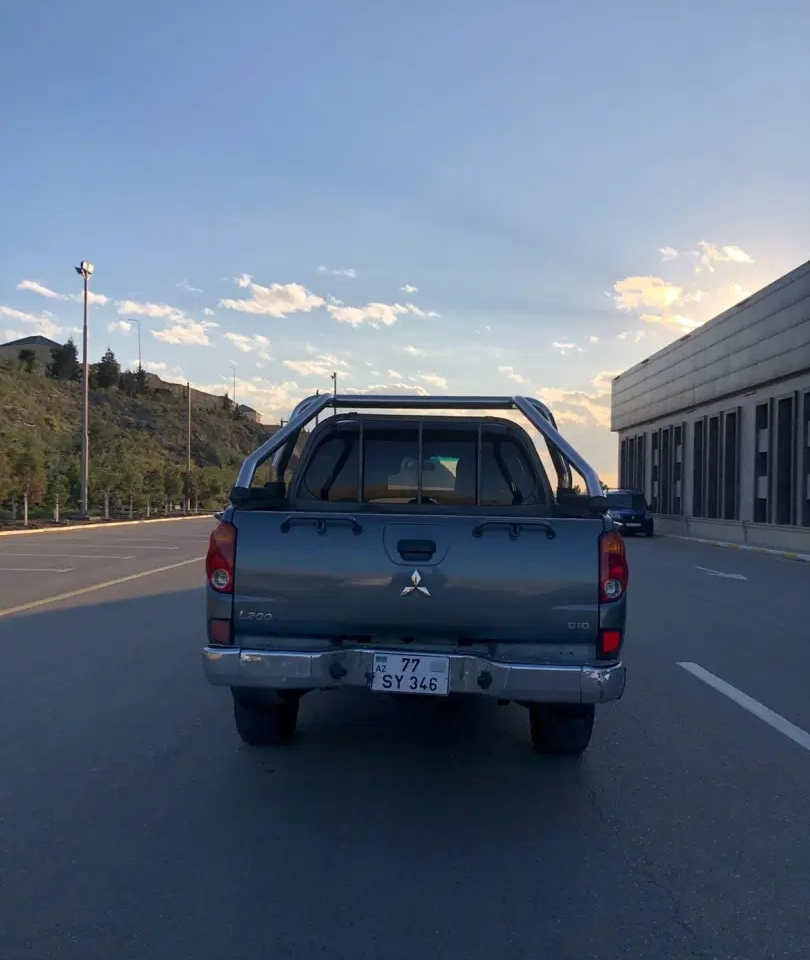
x=134, y=823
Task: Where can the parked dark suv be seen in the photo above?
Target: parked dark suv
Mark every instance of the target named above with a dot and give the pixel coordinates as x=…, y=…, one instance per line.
x=628, y=510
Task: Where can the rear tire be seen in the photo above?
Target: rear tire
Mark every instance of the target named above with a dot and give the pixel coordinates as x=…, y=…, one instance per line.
x=265, y=725
x=561, y=729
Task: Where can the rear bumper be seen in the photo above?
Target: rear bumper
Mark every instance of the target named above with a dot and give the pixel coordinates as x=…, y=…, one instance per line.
x=529, y=683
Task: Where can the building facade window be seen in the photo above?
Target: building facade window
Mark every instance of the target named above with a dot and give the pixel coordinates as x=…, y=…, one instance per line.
x=699, y=469
x=677, y=469
x=805, y=448
x=654, y=470
x=762, y=457
x=713, y=472
x=666, y=470
x=785, y=490
x=641, y=463
x=731, y=464
x=623, y=464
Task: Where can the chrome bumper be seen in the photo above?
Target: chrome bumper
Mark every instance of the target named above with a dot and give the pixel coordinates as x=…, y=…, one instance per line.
x=530, y=683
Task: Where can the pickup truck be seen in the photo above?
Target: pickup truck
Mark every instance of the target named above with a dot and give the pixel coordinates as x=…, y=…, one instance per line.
x=418, y=552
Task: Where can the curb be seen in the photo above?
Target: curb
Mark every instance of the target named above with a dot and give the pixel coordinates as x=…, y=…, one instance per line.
x=106, y=523
x=784, y=554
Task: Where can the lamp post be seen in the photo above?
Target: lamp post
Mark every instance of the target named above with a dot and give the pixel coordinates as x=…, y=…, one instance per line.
x=85, y=271
x=334, y=390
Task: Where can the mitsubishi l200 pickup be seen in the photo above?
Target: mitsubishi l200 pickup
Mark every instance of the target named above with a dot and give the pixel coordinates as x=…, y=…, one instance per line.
x=418, y=553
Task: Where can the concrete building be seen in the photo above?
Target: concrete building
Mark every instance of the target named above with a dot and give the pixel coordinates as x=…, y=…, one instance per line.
x=715, y=428
x=41, y=346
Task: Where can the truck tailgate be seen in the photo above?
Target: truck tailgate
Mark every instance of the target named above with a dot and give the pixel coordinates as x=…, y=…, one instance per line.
x=441, y=578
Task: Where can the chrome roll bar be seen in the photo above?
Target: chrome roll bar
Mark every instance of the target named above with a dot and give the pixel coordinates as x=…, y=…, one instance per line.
x=563, y=455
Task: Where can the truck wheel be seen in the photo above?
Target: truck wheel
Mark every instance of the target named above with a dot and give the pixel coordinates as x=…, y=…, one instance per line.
x=561, y=729
x=265, y=725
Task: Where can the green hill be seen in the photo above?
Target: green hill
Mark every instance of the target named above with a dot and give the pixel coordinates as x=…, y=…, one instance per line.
x=138, y=436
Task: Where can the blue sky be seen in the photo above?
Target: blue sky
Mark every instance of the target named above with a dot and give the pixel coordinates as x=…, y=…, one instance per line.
x=265, y=183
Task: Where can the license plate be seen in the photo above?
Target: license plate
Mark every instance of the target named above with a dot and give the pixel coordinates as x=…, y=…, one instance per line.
x=412, y=674
x=632, y=524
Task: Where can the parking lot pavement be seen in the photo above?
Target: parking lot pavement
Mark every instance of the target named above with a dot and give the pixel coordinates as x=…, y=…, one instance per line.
x=136, y=824
x=36, y=566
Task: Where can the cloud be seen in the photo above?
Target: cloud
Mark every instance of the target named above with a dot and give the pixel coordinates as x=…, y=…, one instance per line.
x=511, y=373
x=373, y=313
x=737, y=292
x=208, y=312
x=158, y=311
x=708, y=253
x=41, y=322
x=12, y=335
x=581, y=407
x=409, y=288
x=186, y=287
x=277, y=300
x=395, y=375
x=625, y=334
x=672, y=321
x=33, y=287
x=414, y=351
x=389, y=388
x=120, y=326
x=418, y=312
x=635, y=292
x=668, y=253
x=186, y=332
x=350, y=272
x=563, y=347
x=433, y=379
x=256, y=344
x=320, y=366
x=164, y=371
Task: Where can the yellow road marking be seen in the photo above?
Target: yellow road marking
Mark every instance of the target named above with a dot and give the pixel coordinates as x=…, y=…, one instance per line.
x=33, y=604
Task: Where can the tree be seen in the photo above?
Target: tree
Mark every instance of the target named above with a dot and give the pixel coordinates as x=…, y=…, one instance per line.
x=141, y=385
x=226, y=403
x=173, y=482
x=6, y=478
x=108, y=370
x=132, y=481
x=28, y=359
x=64, y=363
x=28, y=472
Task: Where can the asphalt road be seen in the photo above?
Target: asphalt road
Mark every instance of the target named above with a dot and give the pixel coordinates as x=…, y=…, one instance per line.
x=136, y=825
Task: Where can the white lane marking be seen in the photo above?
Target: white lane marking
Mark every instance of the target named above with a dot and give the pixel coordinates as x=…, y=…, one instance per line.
x=719, y=573
x=126, y=545
x=790, y=730
x=33, y=604
x=35, y=569
x=72, y=556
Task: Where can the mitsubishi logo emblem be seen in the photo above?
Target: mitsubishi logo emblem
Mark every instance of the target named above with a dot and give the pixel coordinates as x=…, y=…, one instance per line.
x=415, y=587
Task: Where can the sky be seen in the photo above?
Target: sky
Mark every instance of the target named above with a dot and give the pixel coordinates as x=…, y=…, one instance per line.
x=473, y=196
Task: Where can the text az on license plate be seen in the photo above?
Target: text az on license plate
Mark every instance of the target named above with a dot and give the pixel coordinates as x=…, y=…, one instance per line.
x=412, y=674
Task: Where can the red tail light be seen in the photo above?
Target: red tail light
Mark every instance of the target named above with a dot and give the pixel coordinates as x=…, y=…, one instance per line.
x=613, y=572
x=609, y=642
x=220, y=559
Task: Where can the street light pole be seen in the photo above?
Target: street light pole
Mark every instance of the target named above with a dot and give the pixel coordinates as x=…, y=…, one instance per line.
x=85, y=271
x=188, y=449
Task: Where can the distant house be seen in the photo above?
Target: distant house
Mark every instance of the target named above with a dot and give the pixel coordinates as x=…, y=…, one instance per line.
x=249, y=413
x=41, y=346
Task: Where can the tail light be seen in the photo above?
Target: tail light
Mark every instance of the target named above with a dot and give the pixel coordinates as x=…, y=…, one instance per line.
x=609, y=643
x=613, y=572
x=220, y=559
